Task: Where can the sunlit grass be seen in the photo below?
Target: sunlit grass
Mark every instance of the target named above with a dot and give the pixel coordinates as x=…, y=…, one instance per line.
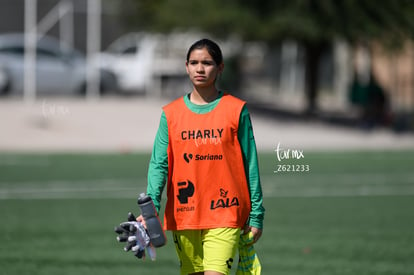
x=350, y=214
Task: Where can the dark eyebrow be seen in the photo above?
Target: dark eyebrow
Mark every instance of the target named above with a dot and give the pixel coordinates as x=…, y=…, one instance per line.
x=207, y=61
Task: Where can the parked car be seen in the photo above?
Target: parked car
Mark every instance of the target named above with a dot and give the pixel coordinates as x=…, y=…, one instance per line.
x=149, y=62
x=130, y=59
x=154, y=63
x=59, y=69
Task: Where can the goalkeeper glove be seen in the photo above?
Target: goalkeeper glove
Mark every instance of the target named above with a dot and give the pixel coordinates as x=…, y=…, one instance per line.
x=135, y=235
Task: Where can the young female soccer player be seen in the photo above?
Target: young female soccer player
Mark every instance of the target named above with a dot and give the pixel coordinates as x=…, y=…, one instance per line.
x=205, y=151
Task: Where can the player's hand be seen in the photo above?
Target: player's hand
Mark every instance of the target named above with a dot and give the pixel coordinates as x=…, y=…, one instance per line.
x=135, y=235
x=257, y=232
x=141, y=220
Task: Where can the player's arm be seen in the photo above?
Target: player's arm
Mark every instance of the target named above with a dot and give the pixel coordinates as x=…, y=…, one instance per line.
x=158, y=166
x=251, y=166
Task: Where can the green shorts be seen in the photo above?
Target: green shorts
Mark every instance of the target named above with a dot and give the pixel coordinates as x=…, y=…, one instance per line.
x=207, y=249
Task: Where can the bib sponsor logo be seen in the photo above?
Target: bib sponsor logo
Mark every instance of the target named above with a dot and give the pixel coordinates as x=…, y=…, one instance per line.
x=209, y=157
x=185, y=191
x=202, y=134
x=189, y=157
x=224, y=201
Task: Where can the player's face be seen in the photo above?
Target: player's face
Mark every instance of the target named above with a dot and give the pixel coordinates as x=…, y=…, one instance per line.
x=202, y=69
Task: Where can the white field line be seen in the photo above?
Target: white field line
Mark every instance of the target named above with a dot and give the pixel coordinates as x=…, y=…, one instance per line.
x=356, y=192
x=339, y=185
x=63, y=189
x=342, y=185
x=339, y=179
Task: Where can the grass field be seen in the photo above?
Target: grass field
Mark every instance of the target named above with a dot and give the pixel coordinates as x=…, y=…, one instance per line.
x=351, y=213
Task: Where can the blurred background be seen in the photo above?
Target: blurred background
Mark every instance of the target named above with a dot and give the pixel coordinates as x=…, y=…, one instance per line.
x=82, y=83
x=349, y=61
x=346, y=64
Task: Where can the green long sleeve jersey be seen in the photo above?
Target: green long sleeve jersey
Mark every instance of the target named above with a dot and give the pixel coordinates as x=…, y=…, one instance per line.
x=158, y=166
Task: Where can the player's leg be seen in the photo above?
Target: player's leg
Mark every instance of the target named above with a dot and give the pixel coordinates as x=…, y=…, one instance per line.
x=209, y=272
x=219, y=249
x=189, y=250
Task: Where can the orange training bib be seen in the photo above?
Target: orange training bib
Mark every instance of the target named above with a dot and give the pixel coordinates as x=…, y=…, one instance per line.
x=207, y=186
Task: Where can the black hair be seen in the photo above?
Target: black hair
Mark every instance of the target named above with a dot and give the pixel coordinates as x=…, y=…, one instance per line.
x=212, y=48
